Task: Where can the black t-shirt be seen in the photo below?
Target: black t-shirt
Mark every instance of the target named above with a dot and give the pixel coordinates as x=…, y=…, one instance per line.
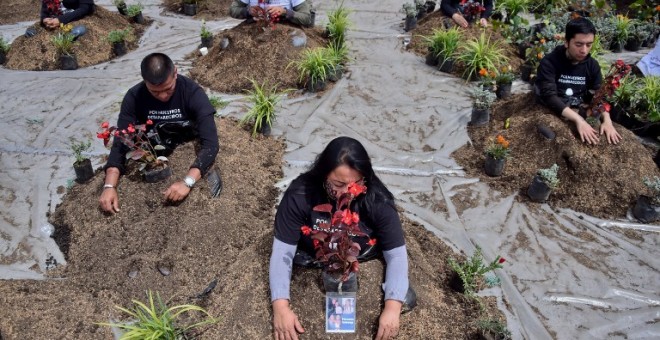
x=561, y=84
x=189, y=102
x=295, y=211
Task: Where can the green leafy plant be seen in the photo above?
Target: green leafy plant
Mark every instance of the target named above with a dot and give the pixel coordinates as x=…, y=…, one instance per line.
x=338, y=54
x=204, y=32
x=511, y=8
x=498, y=148
x=134, y=9
x=549, y=176
x=119, y=3
x=155, y=320
x=218, y=103
x=640, y=30
x=78, y=147
x=117, y=36
x=482, y=99
x=409, y=9
x=654, y=186
x=479, y=53
x=646, y=99
x=495, y=328
x=473, y=269
x=338, y=24
x=4, y=45
x=63, y=43
x=314, y=65
x=263, y=98
x=505, y=76
x=444, y=43
x=622, y=25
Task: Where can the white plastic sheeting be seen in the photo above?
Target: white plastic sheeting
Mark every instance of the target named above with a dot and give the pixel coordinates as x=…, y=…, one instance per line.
x=567, y=275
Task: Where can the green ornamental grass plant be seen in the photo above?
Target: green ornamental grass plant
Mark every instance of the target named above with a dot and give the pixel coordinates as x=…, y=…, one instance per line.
x=63, y=43
x=479, y=53
x=314, y=65
x=338, y=24
x=471, y=270
x=646, y=99
x=622, y=25
x=444, y=43
x=264, y=98
x=117, y=36
x=155, y=320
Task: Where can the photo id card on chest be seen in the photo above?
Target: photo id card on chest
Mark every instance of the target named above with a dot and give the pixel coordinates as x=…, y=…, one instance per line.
x=340, y=313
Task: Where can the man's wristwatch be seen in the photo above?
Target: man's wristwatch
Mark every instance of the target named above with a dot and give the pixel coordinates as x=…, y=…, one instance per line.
x=189, y=181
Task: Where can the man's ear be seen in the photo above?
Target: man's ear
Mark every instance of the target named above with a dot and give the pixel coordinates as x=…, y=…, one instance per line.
x=175, y=72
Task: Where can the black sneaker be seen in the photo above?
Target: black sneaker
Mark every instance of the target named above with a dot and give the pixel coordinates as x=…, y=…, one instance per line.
x=30, y=32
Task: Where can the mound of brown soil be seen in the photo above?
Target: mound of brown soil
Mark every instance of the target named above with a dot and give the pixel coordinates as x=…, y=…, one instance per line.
x=205, y=9
x=113, y=259
x=253, y=53
x=601, y=180
x=436, y=20
x=39, y=54
x=19, y=10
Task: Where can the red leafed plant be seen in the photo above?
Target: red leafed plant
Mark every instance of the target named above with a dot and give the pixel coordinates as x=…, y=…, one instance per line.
x=263, y=18
x=600, y=104
x=472, y=9
x=332, y=241
x=53, y=7
x=136, y=138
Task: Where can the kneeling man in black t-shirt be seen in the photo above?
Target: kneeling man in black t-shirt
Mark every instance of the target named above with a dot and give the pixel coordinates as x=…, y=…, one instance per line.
x=568, y=77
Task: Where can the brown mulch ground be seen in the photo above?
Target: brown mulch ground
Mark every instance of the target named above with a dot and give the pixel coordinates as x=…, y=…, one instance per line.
x=202, y=239
x=39, y=54
x=206, y=9
x=14, y=11
x=253, y=54
x=436, y=20
x=602, y=180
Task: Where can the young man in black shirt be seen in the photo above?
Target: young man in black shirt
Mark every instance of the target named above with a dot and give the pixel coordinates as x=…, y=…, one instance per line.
x=164, y=96
x=567, y=79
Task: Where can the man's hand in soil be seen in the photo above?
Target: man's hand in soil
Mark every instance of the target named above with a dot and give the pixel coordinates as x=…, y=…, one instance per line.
x=276, y=11
x=388, y=323
x=460, y=20
x=606, y=128
x=587, y=133
x=285, y=322
x=109, y=200
x=52, y=23
x=176, y=192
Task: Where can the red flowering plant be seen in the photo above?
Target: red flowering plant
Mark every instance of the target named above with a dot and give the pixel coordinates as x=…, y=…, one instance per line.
x=472, y=9
x=53, y=8
x=332, y=241
x=263, y=18
x=136, y=138
x=611, y=82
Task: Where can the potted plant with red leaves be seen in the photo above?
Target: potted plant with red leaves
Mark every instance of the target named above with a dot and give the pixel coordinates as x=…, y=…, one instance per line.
x=472, y=10
x=137, y=139
x=82, y=166
x=604, y=95
x=467, y=274
x=333, y=241
x=496, y=155
x=263, y=18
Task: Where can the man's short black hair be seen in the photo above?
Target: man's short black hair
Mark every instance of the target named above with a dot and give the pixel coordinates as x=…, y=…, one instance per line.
x=580, y=25
x=156, y=68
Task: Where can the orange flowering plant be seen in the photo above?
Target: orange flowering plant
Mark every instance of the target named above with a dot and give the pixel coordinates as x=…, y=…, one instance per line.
x=332, y=241
x=136, y=138
x=498, y=148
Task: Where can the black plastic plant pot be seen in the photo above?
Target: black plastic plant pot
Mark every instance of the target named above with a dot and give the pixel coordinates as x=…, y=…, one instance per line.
x=633, y=45
x=494, y=167
x=526, y=72
x=421, y=13
x=121, y=8
x=157, y=175
x=430, y=6
x=68, y=62
x=431, y=59
x=645, y=211
x=410, y=24
x=522, y=51
x=190, y=9
x=446, y=65
x=336, y=74
x=456, y=283
x=138, y=19
x=119, y=48
x=316, y=86
x=331, y=283
x=503, y=91
x=84, y=171
x=207, y=42
x=480, y=117
x=265, y=127
x=312, y=20
x=3, y=57
x=616, y=47
x=538, y=191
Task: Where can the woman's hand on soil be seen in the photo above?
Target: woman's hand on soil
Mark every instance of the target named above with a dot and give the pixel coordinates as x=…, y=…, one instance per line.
x=388, y=323
x=176, y=192
x=613, y=137
x=109, y=200
x=285, y=321
x=458, y=18
x=587, y=133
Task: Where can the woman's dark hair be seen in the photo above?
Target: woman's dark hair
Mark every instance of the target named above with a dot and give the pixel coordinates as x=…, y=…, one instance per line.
x=579, y=25
x=156, y=68
x=348, y=151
